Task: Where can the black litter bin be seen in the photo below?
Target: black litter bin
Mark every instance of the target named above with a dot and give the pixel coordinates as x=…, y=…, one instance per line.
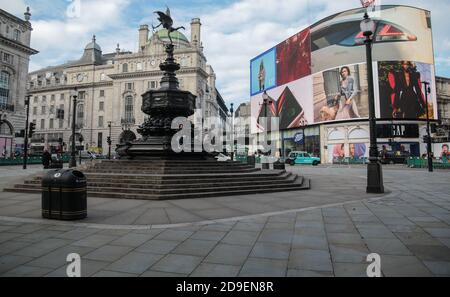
x=64, y=195
x=279, y=165
x=251, y=160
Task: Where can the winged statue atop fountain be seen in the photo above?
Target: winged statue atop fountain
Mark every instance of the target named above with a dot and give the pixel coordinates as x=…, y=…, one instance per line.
x=167, y=22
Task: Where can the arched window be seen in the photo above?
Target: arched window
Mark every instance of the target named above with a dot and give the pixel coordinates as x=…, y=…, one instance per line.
x=129, y=108
x=4, y=87
x=80, y=114
x=125, y=67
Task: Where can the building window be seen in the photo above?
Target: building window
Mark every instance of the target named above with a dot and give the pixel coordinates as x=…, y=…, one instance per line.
x=102, y=93
x=52, y=98
x=7, y=58
x=125, y=67
x=44, y=99
x=57, y=81
x=43, y=110
x=61, y=123
x=47, y=82
x=61, y=97
x=101, y=106
x=80, y=114
x=152, y=84
x=16, y=35
x=139, y=66
x=50, y=125
x=42, y=124
x=100, y=140
x=82, y=95
x=129, y=108
x=129, y=86
x=35, y=110
x=4, y=87
x=35, y=99
x=100, y=121
x=52, y=109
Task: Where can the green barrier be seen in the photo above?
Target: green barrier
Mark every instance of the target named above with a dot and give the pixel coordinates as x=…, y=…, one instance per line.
x=423, y=163
x=350, y=161
x=31, y=161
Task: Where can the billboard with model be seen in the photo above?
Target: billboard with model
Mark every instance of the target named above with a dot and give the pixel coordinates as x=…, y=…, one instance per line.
x=319, y=75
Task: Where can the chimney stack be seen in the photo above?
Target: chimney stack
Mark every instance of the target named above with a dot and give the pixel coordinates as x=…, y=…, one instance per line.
x=196, y=33
x=143, y=36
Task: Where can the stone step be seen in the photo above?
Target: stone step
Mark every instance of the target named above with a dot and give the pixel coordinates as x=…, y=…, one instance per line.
x=305, y=185
x=173, y=171
x=176, y=186
x=129, y=183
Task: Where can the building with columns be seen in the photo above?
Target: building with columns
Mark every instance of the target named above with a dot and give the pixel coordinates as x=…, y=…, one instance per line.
x=109, y=88
x=15, y=53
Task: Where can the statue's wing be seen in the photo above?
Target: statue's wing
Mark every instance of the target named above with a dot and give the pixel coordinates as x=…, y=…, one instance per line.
x=160, y=14
x=168, y=11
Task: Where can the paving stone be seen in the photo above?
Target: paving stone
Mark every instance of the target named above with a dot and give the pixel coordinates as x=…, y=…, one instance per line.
x=9, y=262
x=308, y=273
x=387, y=246
x=78, y=234
x=208, y=235
x=134, y=239
x=276, y=236
x=26, y=271
x=11, y=246
x=57, y=258
x=177, y=264
x=215, y=270
x=88, y=268
x=41, y=248
x=403, y=266
x=105, y=273
x=430, y=253
x=6, y=236
x=108, y=253
x=228, y=254
x=439, y=232
x=155, y=246
x=195, y=247
x=257, y=267
x=39, y=235
x=417, y=238
x=309, y=242
x=241, y=237
x=134, y=262
x=350, y=270
x=95, y=240
x=175, y=235
x=271, y=250
x=347, y=253
x=345, y=238
x=307, y=259
x=374, y=231
x=340, y=228
x=152, y=273
x=438, y=267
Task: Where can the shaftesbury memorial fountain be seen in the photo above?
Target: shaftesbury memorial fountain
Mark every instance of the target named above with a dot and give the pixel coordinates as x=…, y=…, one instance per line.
x=162, y=106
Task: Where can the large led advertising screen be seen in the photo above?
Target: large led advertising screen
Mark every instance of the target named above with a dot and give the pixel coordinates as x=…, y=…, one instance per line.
x=319, y=75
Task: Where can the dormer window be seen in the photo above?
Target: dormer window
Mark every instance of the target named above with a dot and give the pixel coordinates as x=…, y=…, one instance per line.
x=16, y=35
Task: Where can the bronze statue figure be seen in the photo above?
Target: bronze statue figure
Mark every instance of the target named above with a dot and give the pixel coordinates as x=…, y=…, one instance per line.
x=167, y=22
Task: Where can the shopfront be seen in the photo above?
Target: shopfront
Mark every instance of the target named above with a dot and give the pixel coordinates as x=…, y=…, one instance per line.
x=304, y=139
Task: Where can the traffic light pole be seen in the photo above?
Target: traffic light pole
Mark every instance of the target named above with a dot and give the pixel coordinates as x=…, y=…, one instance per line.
x=25, y=149
x=73, y=160
x=109, y=141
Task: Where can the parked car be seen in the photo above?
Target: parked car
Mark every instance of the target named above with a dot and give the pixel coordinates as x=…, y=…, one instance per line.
x=391, y=157
x=303, y=158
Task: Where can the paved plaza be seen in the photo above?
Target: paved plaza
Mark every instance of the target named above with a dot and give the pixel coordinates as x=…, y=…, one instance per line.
x=327, y=231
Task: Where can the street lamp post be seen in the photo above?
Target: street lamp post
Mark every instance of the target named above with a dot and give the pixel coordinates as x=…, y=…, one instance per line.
x=25, y=149
x=232, y=131
x=109, y=140
x=429, y=149
x=73, y=160
x=374, y=168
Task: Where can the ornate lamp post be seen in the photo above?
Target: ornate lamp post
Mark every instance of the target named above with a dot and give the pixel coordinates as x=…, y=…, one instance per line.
x=25, y=149
x=429, y=149
x=374, y=169
x=73, y=160
x=109, y=140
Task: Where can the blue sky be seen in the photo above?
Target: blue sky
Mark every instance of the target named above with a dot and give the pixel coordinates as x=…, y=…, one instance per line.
x=233, y=31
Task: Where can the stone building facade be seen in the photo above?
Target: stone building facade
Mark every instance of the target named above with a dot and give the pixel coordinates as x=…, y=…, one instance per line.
x=443, y=99
x=15, y=53
x=109, y=88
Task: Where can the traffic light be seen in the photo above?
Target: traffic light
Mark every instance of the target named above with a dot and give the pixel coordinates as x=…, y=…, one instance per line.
x=108, y=140
x=32, y=129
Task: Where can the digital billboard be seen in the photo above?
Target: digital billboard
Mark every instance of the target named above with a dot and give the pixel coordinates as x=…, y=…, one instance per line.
x=328, y=60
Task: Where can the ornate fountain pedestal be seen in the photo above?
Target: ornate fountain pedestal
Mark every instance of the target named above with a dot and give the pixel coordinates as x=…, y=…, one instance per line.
x=162, y=106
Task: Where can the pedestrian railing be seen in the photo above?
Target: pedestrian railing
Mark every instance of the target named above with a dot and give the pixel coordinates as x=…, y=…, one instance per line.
x=423, y=163
x=30, y=161
x=350, y=161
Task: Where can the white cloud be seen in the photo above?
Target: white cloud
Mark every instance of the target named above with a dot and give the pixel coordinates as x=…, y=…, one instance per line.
x=61, y=40
x=15, y=7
